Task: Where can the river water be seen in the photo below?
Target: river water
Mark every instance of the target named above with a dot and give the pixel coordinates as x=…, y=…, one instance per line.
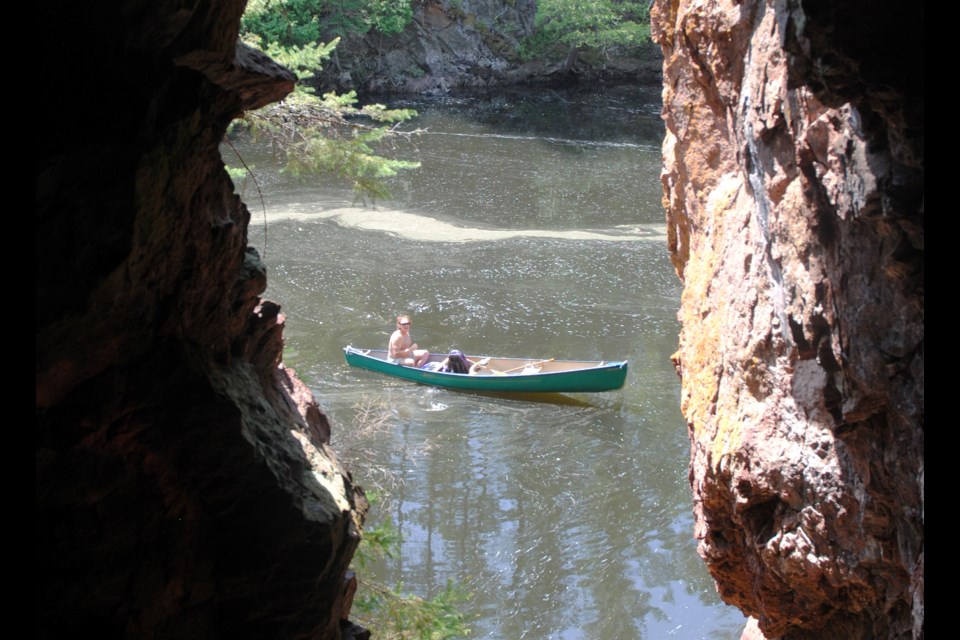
x=533, y=228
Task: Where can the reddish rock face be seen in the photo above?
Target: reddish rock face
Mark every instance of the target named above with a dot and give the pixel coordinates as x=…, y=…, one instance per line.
x=184, y=483
x=793, y=183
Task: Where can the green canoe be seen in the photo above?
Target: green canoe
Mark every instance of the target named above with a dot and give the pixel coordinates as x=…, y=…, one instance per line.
x=503, y=374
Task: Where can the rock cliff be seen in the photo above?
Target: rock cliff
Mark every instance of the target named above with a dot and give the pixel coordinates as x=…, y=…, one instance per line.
x=455, y=45
x=184, y=485
x=793, y=183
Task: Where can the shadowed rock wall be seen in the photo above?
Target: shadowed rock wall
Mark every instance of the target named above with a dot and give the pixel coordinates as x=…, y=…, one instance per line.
x=793, y=183
x=183, y=482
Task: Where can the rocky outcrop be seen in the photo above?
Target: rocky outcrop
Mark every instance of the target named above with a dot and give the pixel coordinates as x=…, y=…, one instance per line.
x=793, y=183
x=184, y=483
x=457, y=45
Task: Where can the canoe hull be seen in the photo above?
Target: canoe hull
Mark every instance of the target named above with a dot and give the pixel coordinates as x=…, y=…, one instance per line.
x=555, y=376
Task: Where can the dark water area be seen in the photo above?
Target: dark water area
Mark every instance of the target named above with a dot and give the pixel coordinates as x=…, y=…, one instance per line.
x=532, y=228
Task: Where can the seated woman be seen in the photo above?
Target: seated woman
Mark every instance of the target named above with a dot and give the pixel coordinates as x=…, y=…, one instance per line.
x=456, y=362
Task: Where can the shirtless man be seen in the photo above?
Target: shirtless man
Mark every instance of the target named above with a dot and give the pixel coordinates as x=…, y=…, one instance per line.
x=403, y=350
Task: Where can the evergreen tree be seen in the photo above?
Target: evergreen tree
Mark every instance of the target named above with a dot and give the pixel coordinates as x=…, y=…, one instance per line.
x=307, y=22
x=589, y=24
x=328, y=135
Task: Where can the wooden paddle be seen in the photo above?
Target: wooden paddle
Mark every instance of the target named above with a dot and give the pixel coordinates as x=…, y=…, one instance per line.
x=523, y=366
x=482, y=366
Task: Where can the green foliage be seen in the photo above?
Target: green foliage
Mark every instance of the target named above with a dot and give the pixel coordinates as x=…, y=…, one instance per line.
x=389, y=16
x=396, y=615
x=350, y=156
x=316, y=141
x=283, y=22
x=238, y=175
x=303, y=60
x=328, y=135
x=290, y=23
x=378, y=542
x=343, y=17
x=593, y=24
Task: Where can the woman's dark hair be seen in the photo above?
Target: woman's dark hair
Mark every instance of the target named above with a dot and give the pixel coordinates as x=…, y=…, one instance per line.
x=457, y=362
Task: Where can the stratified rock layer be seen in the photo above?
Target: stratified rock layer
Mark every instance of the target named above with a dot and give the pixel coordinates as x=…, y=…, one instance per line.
x=184, y=486
x=793, y=183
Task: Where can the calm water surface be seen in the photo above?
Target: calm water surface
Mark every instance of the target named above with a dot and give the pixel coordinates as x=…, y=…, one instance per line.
x=533, y=228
